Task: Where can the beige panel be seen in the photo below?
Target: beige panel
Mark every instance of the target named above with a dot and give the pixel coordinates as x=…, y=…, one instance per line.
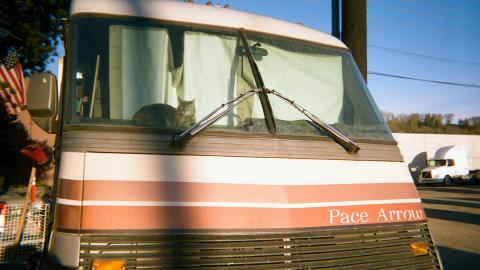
x=240, y=170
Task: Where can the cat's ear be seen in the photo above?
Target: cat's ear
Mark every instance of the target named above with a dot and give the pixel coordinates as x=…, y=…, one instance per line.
x=185, y=102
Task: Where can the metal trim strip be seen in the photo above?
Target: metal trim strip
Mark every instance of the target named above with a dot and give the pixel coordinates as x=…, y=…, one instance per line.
x=231, y=204
x=224, y=144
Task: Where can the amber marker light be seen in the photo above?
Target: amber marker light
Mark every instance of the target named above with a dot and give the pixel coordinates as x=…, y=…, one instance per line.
x=108, y=264
x=419, y=248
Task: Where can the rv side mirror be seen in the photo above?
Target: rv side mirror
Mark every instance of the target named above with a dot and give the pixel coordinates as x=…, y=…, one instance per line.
x=42, y=100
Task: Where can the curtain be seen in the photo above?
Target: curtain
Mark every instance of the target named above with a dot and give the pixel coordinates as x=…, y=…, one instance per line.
x=314, y=81
x=209, y=71
x=140, y=61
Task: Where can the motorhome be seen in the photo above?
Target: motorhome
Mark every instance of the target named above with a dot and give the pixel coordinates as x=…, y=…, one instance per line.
x=450, y=163
x=195, y=136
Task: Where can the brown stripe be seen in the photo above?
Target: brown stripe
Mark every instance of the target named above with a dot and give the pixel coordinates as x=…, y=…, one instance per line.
x=70, y=189
x=213, y=192
x=138, y=218
x=67, y=217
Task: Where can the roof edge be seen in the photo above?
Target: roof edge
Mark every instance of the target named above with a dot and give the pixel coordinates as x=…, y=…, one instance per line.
x=179, y=11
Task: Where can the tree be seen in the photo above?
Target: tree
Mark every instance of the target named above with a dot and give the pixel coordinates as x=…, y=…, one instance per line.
x=449, y=118
x=432, y=123
x=33, y=29
x=463, y=123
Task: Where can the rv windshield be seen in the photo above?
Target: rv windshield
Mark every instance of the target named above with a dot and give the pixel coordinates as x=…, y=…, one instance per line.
x=145, y=74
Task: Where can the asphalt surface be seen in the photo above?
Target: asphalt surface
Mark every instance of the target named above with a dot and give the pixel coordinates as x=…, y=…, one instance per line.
x=454, y=220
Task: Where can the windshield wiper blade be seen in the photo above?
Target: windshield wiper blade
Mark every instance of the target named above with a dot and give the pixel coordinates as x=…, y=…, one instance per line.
x=349, y=145
x=262, y=94
x=181, y=139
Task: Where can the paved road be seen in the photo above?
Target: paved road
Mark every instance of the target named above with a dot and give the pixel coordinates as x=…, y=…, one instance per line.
x=454, y=220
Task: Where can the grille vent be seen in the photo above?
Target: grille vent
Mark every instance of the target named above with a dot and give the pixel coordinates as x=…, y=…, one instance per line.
x=374, y=247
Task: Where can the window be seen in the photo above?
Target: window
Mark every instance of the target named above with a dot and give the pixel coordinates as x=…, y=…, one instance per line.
x=145, y=74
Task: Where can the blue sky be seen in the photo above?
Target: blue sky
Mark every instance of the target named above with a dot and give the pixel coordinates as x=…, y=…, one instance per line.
x=427, y=39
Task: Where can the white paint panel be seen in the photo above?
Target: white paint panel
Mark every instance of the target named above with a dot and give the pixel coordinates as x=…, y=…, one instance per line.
x=71, y=166
x=202, y=14
x=241, y=170
x=69, y=202
x=233, y=204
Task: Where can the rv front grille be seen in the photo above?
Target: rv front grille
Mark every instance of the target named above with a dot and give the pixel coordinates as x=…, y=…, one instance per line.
x=426, y=174
x=373, y=247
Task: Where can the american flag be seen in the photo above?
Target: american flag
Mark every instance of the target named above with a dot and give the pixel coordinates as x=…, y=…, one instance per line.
x=12, y=84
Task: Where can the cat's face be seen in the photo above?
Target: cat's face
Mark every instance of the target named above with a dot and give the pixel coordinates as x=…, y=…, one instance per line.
x=186, y=113
x=186, y=107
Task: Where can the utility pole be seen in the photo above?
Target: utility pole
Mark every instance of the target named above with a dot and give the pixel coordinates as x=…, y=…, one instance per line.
x=354, y=31
x=336, y=18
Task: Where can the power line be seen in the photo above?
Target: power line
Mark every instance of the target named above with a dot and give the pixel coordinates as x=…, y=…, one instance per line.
x=413, y=11
x=444, y=30
x=450, y=9
x=422, y=80
x=423, y=55
x=314, y=2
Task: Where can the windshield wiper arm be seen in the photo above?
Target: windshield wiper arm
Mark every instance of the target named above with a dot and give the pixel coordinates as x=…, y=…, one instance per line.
x=262, y=94
x=181, y=139
x=349, y=145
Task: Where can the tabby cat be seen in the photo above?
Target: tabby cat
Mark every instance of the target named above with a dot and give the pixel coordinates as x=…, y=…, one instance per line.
x=186, y=113
x=166, y=116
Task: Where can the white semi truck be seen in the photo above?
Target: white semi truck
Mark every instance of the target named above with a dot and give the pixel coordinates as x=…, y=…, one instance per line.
x=450, y=163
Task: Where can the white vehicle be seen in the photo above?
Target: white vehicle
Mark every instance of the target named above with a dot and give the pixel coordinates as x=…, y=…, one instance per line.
x=199, y=137
x=449, y=163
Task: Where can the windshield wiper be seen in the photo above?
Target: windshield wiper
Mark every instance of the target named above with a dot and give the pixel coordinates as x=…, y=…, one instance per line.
x=262, y=94
x=349, y=145
x=181, y=139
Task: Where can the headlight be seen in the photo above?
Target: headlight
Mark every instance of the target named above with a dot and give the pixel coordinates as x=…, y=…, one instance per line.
x=105, y=264
x=419, y=248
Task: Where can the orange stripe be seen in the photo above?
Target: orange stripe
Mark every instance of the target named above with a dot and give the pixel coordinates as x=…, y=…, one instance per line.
x=213, y=192
x=138, y=218
x=67, y=217
x=70, y=189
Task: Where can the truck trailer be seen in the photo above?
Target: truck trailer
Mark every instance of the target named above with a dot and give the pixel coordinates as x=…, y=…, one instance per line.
x=450, y=163
x=201, y=137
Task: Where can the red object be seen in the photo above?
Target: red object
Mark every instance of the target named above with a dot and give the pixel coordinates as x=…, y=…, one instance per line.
x=3, y=215
x=3, y=208
x=34, y=190
x=35, y=152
